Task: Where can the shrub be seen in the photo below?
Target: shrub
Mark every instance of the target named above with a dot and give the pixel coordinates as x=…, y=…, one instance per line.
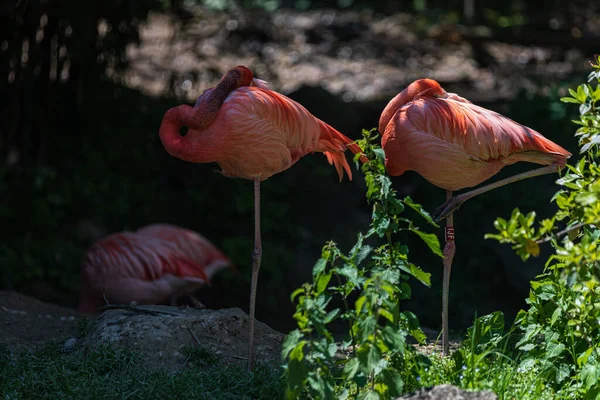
x=561, y=328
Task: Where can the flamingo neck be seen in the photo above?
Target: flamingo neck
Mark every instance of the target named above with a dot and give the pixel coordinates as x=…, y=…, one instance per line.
x=394, y=105
x=418, y=89
x=208, y=105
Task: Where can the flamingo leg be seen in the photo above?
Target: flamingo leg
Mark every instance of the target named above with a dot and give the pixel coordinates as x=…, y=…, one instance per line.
x=455, y=202
x=449, y=249
x=256, y=257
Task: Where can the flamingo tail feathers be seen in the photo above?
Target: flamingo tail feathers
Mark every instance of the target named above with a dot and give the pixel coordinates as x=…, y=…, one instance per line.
x=336, y=144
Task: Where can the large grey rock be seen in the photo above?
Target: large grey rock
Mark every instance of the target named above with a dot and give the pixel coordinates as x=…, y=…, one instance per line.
x=449, y=392
x=159, y=333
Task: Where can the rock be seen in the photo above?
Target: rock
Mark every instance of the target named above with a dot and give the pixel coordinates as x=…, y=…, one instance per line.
x=69, y=345
x=449, y=392
x=159, y=333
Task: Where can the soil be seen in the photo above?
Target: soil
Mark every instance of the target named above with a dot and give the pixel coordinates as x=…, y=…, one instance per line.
x=28, y=322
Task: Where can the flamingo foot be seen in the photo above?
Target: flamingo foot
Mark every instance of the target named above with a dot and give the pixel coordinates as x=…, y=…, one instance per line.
x=447, y=208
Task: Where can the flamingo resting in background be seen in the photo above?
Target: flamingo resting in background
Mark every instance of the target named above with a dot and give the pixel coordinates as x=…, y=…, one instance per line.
x=455, y=144
x=253, y=133
x=155, y=264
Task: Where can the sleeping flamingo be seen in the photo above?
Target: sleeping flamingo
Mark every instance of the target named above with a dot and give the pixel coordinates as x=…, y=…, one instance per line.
x=253, y=133
x=155, y=264
x=455, y=144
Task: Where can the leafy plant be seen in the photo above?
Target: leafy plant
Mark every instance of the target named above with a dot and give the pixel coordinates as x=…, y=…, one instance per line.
x=483, y=361
x=368, y=363
x=561, y=329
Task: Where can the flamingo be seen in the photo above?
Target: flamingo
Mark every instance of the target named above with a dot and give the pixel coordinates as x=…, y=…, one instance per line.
x=252, y=132
x=157, y=263
x=455, y=144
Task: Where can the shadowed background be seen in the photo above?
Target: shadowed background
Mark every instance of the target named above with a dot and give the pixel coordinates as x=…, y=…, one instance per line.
x=84, y=86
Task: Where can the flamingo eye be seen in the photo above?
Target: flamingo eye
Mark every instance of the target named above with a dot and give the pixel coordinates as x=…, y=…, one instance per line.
x=437, y=95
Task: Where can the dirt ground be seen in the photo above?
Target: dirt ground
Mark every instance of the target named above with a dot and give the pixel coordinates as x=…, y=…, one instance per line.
x=28, y=322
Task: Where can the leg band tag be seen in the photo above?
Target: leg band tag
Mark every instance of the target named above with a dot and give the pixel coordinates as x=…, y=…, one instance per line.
x=449, y=233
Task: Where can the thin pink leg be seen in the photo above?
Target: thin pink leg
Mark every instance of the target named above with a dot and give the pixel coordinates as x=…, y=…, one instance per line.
x=455, y=202
x=256, y=257
x=449, y=249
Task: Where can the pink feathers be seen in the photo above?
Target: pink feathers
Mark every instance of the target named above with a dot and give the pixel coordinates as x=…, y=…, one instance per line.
x=454, y=143
x=250, y=130
x=151, y=266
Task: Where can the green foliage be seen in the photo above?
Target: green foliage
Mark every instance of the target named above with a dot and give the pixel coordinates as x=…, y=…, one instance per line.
x=103, y=373
x=317, y=365
x=482, y=362
x=561, y=329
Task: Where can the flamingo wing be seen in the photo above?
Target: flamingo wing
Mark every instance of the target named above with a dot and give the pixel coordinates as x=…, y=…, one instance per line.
x=266, y=133
x=482, y=133
x=193, y=245
x=456, y=144
x=128, y=267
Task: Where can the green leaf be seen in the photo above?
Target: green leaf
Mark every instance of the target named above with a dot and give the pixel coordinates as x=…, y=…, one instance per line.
x=393, y=339
x=362, y=254
x=417, y=273
x=569, y=100
x=323, y=281
x=296, y=293
x=386, y=314
x=360, y=302
x=527, y=364
x=379, y=153
x=393, y=381
x=554, y=349
x=368, y=356
x=319, y=266
x=349, y=272
x=555, y=315
x=419, y=208
x=323, y=385
x=296, y=373
x=290, y=342
x=351, y=368
x=331, y=316
x=563, y=371
x=369, y=395
x=590, y=373
x=431, y=240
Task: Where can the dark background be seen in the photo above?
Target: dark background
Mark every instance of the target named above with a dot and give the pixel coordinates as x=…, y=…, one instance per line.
x=84, y=86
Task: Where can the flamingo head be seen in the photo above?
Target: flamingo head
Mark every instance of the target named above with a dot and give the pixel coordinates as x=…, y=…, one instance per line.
x=425, y=88
x=419, y=89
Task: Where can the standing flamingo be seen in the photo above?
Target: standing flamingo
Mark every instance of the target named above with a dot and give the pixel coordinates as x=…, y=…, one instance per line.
x=455, y=144
x=156, y=264
x=253, y=133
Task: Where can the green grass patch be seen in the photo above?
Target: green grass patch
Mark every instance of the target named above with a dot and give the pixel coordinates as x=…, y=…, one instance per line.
x=103, y=373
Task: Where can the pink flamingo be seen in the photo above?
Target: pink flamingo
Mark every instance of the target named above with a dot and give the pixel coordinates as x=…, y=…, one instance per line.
x=455, y=144
x=253, y=133
x=156, y=264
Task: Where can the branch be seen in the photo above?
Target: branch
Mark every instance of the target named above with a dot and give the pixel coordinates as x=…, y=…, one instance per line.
x=137, y=309
x=564, y=232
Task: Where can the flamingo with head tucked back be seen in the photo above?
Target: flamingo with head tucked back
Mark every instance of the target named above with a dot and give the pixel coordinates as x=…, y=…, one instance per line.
x=455, y=144
x=253, y=133
x=155, y=264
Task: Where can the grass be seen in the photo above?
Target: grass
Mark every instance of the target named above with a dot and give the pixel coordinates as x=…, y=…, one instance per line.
x=102, y=373
x=492, y=371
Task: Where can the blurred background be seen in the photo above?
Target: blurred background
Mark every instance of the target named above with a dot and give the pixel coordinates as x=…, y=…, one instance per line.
x=84, y=86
